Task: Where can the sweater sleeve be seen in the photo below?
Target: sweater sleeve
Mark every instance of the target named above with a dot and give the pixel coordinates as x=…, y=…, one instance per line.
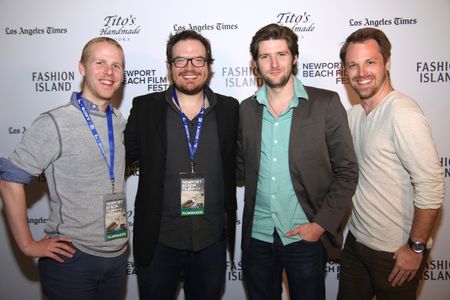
x=39, y=147
x=417, y=152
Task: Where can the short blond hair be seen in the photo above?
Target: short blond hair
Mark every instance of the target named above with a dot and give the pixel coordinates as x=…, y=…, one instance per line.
x=85, y=53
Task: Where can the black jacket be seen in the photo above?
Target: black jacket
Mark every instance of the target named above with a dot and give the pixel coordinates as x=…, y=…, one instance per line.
x=146, y=142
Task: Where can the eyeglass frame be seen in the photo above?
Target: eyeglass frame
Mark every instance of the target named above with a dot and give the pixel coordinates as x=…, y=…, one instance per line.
x=205, y=61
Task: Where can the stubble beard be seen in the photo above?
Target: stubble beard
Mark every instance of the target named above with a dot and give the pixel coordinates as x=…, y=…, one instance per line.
x=276, y=83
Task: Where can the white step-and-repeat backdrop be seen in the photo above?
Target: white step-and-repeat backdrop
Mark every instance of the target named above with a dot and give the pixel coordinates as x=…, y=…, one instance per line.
x=41, y=43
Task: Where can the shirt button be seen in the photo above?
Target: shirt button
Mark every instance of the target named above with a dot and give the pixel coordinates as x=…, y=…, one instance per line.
x=273, y=178
x=276, y=123
x=273, y=196
x=274, y=159
x=275, y=141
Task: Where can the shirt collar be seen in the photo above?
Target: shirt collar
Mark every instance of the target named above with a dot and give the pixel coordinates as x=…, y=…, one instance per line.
x=90, y=106
x=299, y=92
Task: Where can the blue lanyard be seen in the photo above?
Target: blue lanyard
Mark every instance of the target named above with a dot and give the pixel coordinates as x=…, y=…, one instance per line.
x=91, y=126
x=194, y=146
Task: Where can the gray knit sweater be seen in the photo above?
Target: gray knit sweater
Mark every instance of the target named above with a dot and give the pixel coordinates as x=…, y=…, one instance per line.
x=60, y=143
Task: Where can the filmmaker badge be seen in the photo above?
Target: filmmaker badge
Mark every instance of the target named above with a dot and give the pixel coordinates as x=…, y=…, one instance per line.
x=116, y=224
x=192, y=195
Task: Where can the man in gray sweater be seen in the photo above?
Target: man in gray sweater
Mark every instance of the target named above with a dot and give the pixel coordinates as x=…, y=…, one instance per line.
x=79, y=148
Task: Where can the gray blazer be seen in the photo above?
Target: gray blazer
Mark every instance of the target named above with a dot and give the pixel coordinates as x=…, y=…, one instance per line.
x=322, y=161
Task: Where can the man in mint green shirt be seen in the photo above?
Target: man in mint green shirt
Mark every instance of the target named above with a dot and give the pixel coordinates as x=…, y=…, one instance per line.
x=296, y=157
x=274, y=181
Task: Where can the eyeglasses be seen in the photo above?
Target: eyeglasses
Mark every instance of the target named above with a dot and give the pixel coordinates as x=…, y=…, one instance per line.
x=181, y=62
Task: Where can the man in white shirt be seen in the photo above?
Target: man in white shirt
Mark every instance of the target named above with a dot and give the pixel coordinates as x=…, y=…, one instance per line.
x=401, y=185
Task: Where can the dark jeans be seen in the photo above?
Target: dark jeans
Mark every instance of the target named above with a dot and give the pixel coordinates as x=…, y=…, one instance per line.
x=84, y=277
x=203, y=273
x=304, y=264
x=364, y=274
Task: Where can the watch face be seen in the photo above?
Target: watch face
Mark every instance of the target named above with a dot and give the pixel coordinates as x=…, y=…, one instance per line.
x=417, y=247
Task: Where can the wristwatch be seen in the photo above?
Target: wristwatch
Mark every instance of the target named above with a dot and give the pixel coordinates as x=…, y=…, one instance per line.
x=417, y=247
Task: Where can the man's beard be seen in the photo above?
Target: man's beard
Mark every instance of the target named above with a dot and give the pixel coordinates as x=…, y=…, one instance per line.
x=186, y=90
x=281, y=82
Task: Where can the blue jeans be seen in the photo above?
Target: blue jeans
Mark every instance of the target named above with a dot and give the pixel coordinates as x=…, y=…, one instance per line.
x=203, y=273
x=84, y=277
x=304, y=264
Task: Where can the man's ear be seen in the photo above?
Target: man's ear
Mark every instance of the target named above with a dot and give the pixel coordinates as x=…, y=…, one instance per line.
x=81, y=69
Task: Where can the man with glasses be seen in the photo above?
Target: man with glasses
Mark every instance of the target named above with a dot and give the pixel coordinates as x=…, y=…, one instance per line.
x=185, y=141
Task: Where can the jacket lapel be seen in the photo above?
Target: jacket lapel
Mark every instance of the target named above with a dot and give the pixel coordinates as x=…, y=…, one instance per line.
x=158, y=118
x=258, y=115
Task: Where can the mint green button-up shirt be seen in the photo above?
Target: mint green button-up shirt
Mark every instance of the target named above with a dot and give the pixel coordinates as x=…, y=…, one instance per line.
x=277, y=206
